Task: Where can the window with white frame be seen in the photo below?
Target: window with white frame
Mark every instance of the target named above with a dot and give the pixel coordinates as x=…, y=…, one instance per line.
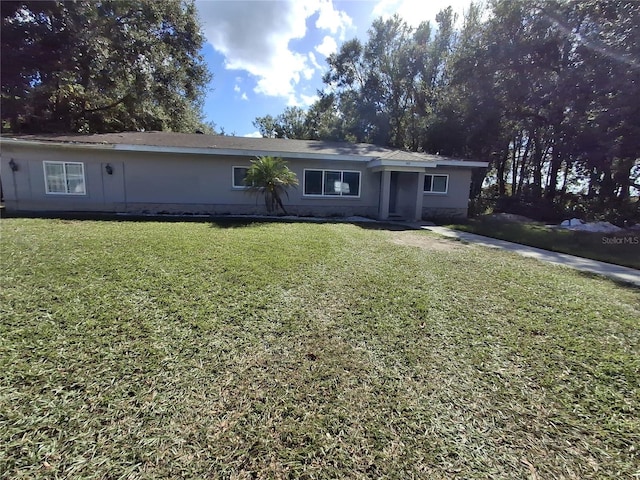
x=239, y=174
x=66, y=178
x=436, y=183
x=344, y=183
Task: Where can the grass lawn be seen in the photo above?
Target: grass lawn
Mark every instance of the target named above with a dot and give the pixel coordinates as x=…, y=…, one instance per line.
x=274, y=350
x=597, y=246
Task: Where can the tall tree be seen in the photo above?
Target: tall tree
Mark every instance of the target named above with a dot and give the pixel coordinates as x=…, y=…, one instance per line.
x=323, y=120
x=289, y=124
x=609, y=49
x=545, y=90
x=386, y=89
x=267, y=126
x=101, y=66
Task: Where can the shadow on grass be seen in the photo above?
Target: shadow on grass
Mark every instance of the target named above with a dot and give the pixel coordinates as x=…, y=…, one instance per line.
x=249, y=221
x=619, y=283
x=215, y=221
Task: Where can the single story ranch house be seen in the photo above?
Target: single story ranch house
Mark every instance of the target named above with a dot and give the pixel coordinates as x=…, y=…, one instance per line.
x=161, y=172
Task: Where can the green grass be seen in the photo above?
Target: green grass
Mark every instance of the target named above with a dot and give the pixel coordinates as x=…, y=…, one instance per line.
x=267, y=350
x=597, y=246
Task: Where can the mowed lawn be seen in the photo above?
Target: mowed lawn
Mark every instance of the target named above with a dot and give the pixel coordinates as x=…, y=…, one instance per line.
x=284, y=350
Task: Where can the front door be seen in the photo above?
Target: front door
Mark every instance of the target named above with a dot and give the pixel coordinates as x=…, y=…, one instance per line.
x=393, y=193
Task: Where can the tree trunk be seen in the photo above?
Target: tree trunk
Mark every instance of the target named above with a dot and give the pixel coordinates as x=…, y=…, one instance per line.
x=623, y=179
x=556, y=163
x=501, y=167
x=563, y=189
x=607, y=185
x=538, y=153
x=593, y=182
x=523, y=165
x=517, y=147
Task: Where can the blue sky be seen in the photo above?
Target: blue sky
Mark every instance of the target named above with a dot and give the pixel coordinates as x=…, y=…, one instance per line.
x=266, y=55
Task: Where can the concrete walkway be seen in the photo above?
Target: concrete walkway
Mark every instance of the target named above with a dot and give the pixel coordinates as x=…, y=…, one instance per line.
x=615, y=272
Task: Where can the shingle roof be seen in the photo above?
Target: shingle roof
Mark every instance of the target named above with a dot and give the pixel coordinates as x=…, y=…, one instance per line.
x=259, y=145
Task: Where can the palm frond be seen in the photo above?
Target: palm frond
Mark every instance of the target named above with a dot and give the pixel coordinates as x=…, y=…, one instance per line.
x=271, y=177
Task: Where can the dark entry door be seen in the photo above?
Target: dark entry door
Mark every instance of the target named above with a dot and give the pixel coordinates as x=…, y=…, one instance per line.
x=393, y=192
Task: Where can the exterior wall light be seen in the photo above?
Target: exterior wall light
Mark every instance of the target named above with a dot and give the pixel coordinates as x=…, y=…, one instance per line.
x=109, y=169
x=13, y=165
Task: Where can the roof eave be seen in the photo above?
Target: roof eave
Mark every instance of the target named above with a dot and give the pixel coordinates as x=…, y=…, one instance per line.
x=379, y=165
x=462, y=163
x=239, y=152
x=374, y=162
x=185, y=150
x=47, y=143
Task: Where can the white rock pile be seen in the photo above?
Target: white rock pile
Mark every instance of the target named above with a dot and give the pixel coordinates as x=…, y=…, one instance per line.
x=577, y=224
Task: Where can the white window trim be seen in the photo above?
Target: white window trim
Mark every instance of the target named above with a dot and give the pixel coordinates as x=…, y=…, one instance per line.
x=431, y=192
x=233, y=177
x=63, y=163
x=323, y=195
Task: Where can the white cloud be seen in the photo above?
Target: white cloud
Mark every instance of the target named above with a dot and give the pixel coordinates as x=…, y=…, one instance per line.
x=308, y=100
x=416, y=11
x=236, y=88
x=336, y=21
x=301, y=100
x=255, y=134
x=244, y=96
x=314, y=61
x=292, y=101
x=308, y=73
x=327, y=47
x=254, y=36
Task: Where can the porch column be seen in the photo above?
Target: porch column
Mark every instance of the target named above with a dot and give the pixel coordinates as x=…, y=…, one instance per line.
x=385, y=190
x=419, y=196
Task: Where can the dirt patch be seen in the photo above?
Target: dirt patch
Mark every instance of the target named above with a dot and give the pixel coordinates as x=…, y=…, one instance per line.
x=427, y=242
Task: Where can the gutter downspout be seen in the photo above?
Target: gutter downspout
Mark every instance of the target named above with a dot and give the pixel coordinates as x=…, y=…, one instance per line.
x=15, y=187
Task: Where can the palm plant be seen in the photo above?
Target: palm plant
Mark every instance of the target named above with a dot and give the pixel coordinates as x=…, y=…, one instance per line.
x=270, y=176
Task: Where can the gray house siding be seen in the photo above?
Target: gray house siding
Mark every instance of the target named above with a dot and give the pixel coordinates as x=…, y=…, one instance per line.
x=143, y=182
x=159, y=179
x=25, y=190
x=455, y=202
x=201, y=184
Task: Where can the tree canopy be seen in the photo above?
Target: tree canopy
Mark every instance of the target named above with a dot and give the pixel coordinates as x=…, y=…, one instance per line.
x=113, y=65
x=546, y=91
x=289, y=124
